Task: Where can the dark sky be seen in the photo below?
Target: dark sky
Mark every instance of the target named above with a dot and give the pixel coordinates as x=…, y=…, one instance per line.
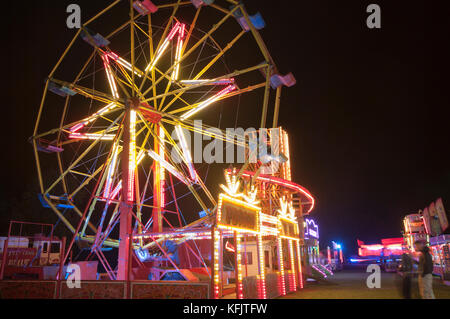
x=368, y=118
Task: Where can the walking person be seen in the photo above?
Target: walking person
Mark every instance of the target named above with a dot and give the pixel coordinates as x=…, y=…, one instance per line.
x=425, y=271
x=406, y=268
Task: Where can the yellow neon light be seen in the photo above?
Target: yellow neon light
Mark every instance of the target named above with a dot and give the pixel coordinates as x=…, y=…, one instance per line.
x=208, y=102
x=238, y=203
x=157, y=56
x=127, y=65
x=232, y=189
x=292, y=280
x=280, y=260
x=287, y=210
x=176, y=71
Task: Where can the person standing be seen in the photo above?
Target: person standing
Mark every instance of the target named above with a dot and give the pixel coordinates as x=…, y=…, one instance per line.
x=406, y=271
x=425, y=271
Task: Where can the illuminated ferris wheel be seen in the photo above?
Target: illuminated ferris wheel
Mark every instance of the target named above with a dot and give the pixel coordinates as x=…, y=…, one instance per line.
x=121, y=123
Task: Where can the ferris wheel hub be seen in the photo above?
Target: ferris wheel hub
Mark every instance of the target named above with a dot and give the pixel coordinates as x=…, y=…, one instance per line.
x=132, y=103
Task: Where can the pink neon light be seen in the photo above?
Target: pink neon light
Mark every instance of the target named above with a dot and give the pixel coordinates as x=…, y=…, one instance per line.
x=79, y=136
x=208, y=82
x=182, y=30
x=132, y=157
x=91, y=118
x=320, y=271
x=77, y=127
x=173, y=31
x=110, y=76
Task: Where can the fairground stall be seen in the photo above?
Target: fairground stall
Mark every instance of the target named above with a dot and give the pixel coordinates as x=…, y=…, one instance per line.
x=429, y=225
x=387, y=254
x=127, y=180
x=316, y=266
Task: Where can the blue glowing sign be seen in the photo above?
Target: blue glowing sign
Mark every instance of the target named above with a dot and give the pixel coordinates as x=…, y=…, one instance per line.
x=311, y=229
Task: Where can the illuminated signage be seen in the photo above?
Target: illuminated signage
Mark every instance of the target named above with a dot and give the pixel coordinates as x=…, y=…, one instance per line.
x=237, y=215
x=311, y=229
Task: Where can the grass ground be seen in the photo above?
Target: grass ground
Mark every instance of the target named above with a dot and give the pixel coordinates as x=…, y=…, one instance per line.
x=351, y=284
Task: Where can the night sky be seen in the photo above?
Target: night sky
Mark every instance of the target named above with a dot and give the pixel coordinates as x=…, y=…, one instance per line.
x=368, y=118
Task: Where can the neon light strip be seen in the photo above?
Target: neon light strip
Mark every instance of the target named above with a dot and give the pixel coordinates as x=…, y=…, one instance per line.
x=262, y=275
x=216, y=264
x=299, y=262
x=292, y=281
x=281, y=262
x=118, y=188
x=167, y=166
x=230, y=248
x=208, y=102
x=269, y=219
x=239, y=203
x=329, y=269
x=132, y=157
x=320, y=271
x=79, y=136
x=93, y=117
x=127, y=65
x=240, y=294
x=162, y=172
x=111, y=169
x=180, y=43
x=269, y=230
x=284, y=183
x=163, y=48
x=208, y=82
x=110, y=76
x=186, y=153
x=287, y=165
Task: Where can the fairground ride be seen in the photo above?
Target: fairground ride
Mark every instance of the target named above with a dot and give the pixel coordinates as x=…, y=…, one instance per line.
x=119, y=122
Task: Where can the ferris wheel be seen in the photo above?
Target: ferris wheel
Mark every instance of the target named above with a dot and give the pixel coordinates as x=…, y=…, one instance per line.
x=120, y=134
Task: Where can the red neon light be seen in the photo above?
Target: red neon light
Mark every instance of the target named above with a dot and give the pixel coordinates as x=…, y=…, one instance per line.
x=132, y=157
x=284, y=183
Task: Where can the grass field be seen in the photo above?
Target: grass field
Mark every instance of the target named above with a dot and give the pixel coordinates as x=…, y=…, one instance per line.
x=351, y=284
